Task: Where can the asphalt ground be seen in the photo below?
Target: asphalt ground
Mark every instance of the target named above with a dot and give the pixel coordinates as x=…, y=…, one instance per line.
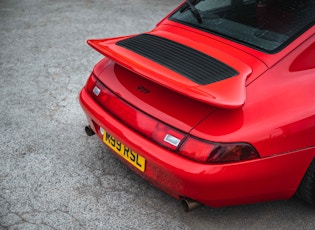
x=52, y=176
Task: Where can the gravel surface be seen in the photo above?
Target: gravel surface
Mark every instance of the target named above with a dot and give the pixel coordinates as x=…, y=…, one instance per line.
x=52, y=176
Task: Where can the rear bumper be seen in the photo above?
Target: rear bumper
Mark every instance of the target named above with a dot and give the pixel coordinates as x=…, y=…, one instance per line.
x=214, y=185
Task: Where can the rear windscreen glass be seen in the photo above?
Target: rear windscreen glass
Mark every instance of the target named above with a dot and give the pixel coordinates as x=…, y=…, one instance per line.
x=266, y=25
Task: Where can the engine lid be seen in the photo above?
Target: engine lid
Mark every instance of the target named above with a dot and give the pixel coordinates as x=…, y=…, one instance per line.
x=213, y=77
x=166, y=105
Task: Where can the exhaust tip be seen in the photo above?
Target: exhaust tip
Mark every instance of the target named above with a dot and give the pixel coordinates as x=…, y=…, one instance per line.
x=189, y=204
x=89, y=131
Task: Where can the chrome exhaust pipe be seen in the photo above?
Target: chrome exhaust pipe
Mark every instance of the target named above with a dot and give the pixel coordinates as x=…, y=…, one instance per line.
x=89, y=131
x=189, y=204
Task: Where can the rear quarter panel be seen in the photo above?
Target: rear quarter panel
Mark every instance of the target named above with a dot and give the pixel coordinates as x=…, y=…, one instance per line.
x=278, y=115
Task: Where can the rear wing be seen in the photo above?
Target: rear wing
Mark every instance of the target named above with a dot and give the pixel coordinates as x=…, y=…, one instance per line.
x=180, y=68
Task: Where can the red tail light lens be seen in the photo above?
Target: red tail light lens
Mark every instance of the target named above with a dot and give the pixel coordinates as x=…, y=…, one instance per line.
x=167, y=136
x=209, y=152
x=232, y=153
x=196, y=150
x=91, y=83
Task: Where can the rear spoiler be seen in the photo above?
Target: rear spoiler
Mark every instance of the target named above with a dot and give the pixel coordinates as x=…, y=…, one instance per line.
x=133, y=52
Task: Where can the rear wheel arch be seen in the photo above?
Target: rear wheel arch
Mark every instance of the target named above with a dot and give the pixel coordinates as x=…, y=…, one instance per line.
x=306, y=190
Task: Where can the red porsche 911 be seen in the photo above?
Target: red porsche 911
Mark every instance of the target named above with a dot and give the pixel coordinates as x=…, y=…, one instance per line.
x=215, y=105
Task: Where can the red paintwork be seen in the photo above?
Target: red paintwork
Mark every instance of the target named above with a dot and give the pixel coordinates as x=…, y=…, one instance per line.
x=270, y=106
x=211, y=94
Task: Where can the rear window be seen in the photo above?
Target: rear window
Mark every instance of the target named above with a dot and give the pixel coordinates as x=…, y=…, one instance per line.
x=267, y=25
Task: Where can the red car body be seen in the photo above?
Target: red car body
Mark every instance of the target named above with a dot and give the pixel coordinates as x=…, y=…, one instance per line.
x=161, y=123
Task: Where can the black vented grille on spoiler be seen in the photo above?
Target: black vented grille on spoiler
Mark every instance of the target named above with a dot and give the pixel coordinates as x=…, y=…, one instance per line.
x=193, y=64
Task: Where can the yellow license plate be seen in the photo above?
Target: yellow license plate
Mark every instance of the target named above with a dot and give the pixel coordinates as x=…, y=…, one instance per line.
x=127, y=153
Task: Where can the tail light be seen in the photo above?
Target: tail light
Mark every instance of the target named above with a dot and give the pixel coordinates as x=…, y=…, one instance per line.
x=210, y=152
x=165, y=135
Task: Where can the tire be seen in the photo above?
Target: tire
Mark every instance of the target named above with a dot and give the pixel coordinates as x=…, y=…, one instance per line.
x=306, y=190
